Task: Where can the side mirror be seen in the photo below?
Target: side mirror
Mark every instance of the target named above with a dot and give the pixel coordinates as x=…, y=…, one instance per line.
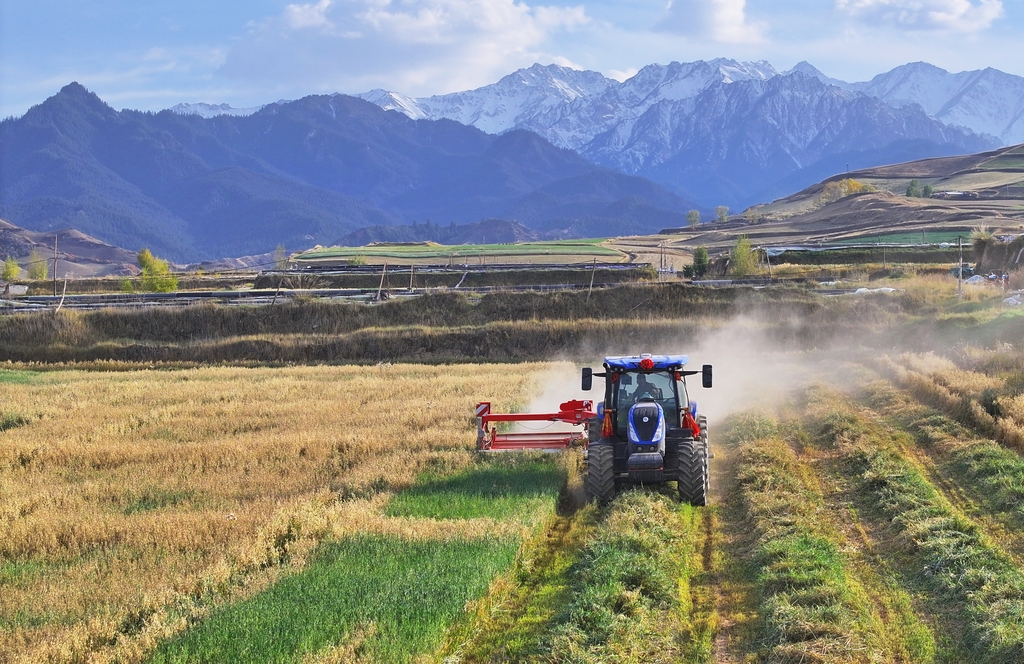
x=588, y=379
x=705, y=375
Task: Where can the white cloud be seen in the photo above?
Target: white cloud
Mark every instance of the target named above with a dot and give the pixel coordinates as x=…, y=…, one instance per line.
x=416, y=46
x=947, y=15
x=298, y=17
x=620, y=75
x=716, y=20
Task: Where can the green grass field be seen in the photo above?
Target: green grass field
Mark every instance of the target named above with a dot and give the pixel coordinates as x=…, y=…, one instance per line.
x=928, y=237
x=583, y=248
x=508, y=488
x=401, y=594
x=385, y=597
x=1004, y=161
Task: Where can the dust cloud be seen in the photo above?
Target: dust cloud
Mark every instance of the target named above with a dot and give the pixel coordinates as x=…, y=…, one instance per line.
x=750, y=369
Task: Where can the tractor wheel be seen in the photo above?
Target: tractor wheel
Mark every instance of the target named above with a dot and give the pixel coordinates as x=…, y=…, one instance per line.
x=601, y=473
x=703, y=422
x=693, y=472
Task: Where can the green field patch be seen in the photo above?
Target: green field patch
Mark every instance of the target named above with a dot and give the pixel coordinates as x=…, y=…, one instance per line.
x=15, y=573
x=402, y=593
x=928, y=237
x=13, y=420
x=1001, y=162
x=154, y=498
x=585, y=247
x=506, y=487
x=17, y=377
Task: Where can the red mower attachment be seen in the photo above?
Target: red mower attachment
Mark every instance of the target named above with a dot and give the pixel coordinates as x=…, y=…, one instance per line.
x=575, y=412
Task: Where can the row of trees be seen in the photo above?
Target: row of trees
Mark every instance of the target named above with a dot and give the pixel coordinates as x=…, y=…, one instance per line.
x=915, y=190
x=156, y=273
x=37, y=267
x=742, y=260
x=693, y=216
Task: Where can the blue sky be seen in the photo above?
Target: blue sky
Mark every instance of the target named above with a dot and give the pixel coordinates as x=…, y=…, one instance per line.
x=153, y=54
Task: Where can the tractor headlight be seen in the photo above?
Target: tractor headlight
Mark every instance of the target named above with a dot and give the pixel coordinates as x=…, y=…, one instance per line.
x=631, y=431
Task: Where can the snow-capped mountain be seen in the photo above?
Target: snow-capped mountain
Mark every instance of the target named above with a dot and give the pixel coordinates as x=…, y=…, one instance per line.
x=986, y=100
x=507, y=104
x=735, y=143
x=212, y=110
x=570, y=108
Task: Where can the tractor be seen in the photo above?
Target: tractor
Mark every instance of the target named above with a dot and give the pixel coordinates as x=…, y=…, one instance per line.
x=645, y=431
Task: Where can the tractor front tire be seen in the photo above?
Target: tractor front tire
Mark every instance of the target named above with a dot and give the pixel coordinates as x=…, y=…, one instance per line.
x=693, y=473
x=601, y=473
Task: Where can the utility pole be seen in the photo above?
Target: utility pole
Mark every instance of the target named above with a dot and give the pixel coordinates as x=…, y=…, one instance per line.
x=55, y=265
x=412, y=270
x=383, y=276
x=960, y=269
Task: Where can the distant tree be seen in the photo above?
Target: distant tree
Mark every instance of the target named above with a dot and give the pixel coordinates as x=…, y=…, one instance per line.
x=837, y=189
x=721, y=213
x=38, y=265
x=742, y=258
x=693, y=218
x=280, y=258
x=927, y=191
x=701, y=262
x=753, y=215
x=11, y=270
x=914, y=189
x=156, y=274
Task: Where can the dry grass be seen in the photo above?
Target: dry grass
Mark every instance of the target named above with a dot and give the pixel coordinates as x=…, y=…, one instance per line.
x=132, y=502
x=972, y=398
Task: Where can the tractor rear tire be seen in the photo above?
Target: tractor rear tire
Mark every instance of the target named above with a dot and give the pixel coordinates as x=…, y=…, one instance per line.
x=601, y=473
x=703, y=422
x=693, y=473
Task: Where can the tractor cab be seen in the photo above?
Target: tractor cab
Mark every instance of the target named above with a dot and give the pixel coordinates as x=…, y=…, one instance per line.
x=659, y=379
x=647, y=430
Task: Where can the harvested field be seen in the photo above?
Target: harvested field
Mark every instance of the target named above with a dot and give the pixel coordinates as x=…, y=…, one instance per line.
x=867, y=510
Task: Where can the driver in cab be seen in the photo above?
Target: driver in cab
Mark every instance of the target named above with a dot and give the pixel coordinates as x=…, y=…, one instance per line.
x=646, y=389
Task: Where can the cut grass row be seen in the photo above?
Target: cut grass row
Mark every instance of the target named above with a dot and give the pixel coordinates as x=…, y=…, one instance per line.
x=814, y=607
x=992, y=474
x=956, y=561
x=626, y=583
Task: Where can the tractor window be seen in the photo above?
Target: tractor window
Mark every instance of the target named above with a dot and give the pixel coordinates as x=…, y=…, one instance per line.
x=659, y=386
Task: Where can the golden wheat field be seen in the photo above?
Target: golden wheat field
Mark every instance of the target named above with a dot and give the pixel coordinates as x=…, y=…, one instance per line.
x=152, y=496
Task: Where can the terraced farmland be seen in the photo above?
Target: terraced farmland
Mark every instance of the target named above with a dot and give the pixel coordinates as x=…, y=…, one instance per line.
x=225, y=514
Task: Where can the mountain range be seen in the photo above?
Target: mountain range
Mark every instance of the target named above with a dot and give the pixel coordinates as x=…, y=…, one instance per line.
x=737, y=133
x=297, y=173
x=561, y=151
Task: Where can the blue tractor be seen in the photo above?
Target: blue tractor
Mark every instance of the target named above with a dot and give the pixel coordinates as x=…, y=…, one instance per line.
x=647, y=430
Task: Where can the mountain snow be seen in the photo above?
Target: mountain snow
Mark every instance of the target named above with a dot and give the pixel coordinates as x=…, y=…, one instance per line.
x=987, y=101
x=571, y=108
x=211, y=110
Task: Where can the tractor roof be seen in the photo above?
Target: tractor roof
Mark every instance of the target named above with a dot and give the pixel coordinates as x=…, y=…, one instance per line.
x=632, y=362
